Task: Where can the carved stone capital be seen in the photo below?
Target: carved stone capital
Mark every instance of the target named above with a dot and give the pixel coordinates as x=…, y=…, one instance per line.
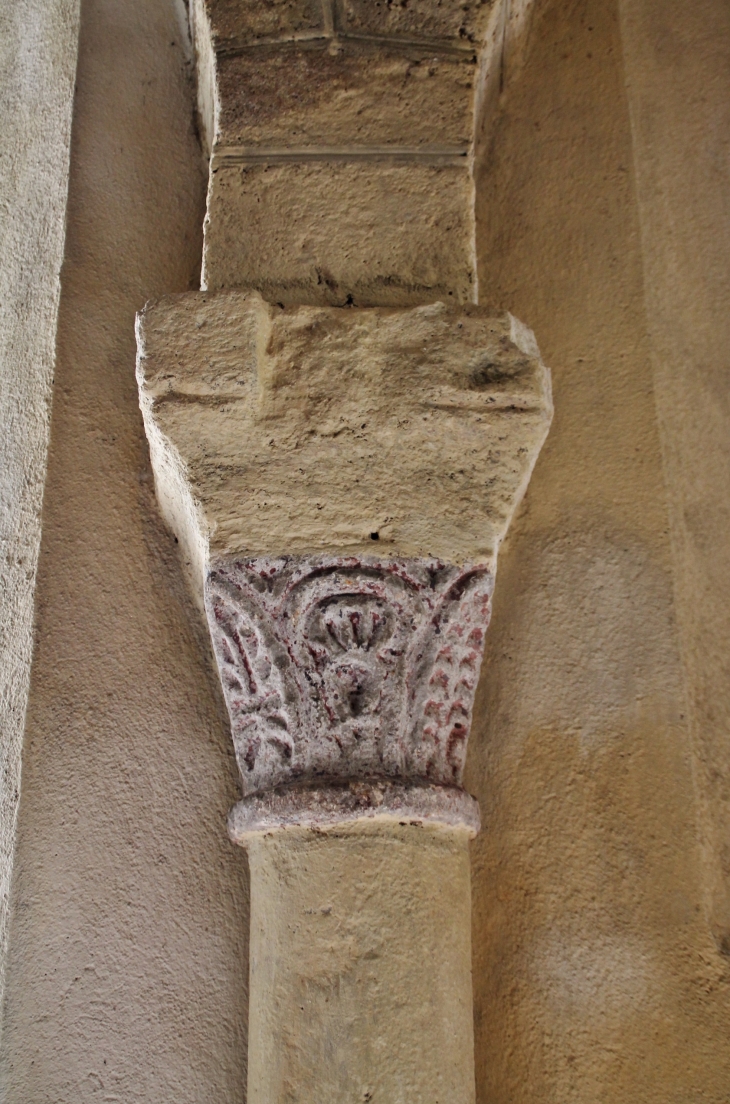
x=289, y=447
x=352, y=673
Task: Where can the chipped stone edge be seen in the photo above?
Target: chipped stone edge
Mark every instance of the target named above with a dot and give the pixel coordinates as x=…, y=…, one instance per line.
x=327, y=806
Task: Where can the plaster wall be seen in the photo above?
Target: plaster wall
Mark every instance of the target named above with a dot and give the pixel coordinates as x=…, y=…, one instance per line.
x=127, y=975
x=599, y=965
x=677, y=61
x=37, y=65
x=596, y=973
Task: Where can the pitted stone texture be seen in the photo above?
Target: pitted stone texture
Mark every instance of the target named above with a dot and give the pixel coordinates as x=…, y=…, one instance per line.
x=343, y=668
x=465, y=21
x=251, y=21
x=362, y=94
x=325, y=93
x=332, y=233
x=308, y=430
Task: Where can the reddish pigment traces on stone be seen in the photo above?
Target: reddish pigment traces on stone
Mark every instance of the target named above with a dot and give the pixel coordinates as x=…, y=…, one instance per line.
x=345, y=668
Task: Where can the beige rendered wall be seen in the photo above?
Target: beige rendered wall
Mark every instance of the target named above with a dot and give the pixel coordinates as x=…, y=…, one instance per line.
x=127, y=974
x=597, y=927
x=597, y=977
x=37, y=65
x=677, y=62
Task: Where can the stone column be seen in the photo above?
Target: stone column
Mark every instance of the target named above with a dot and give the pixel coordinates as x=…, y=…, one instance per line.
x=340, y=437
x=360, y=965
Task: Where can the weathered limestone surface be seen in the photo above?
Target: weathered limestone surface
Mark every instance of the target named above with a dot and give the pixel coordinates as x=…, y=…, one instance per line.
x=239, y=21
x=368, y=94
x=597, y=974
x=407, y=237
x=361, y=967
x=340, y=136
x=289, y=445
x=334, y=393
x=276, y=432
x=244, y=22
x=463, y=22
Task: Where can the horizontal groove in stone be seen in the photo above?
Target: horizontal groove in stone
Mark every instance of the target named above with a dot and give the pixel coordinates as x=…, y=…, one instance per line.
x=231, y=156
x=438, y=46
x=232, y=47
x=313, y=39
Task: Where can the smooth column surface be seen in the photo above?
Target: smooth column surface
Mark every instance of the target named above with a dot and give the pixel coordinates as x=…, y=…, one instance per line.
x=360, y=966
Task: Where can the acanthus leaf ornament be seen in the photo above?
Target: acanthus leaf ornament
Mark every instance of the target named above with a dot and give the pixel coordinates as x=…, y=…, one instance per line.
x=349, y=670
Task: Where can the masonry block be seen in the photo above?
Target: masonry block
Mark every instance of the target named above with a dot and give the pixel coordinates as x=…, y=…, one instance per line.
x=342, y=232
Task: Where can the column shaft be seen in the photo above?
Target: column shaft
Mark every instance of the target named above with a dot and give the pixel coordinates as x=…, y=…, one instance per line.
x=360, y=967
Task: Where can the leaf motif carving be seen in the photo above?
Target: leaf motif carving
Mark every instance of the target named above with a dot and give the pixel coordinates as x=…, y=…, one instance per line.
x=341, y=668
x=263, y=714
